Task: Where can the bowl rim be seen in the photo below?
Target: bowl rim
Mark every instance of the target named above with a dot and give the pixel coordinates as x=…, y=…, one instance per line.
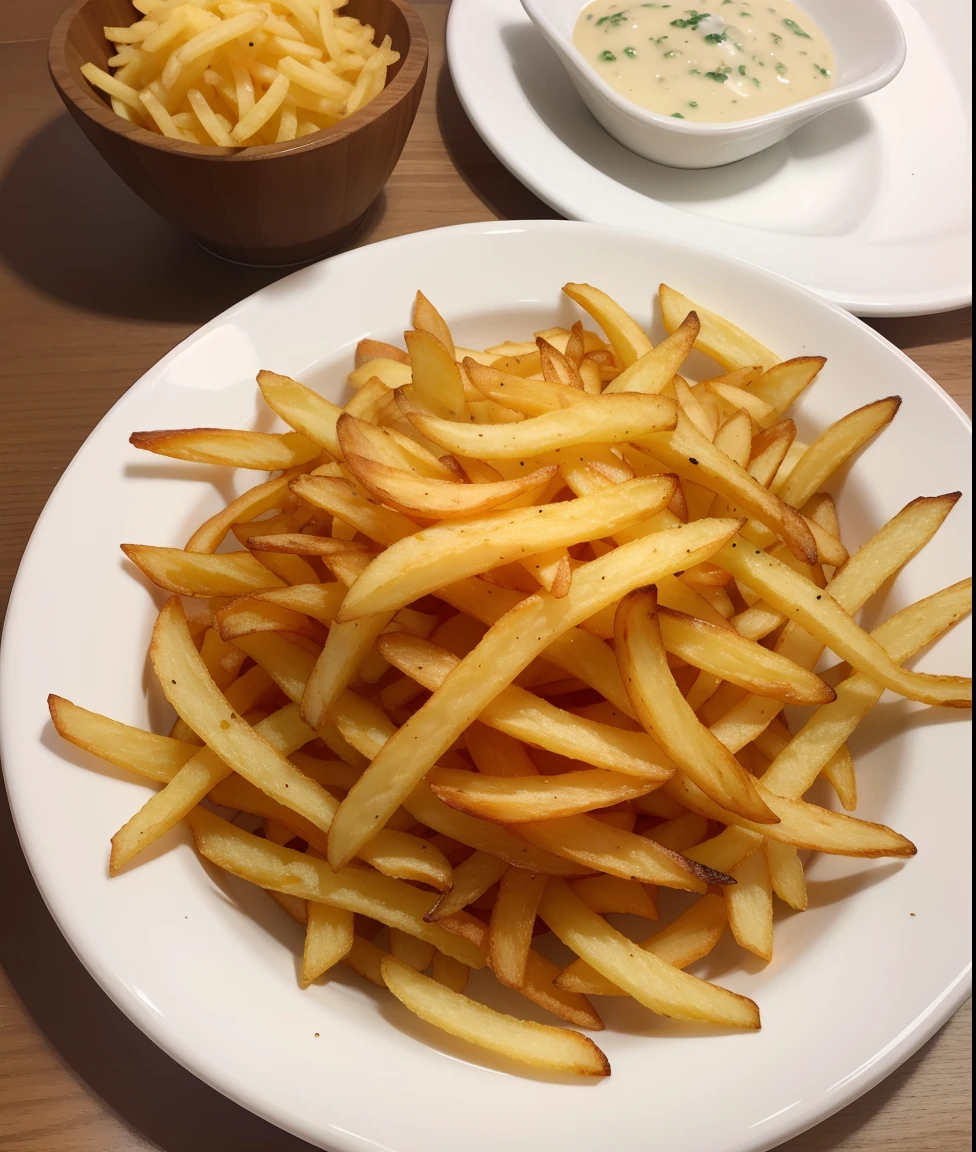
x=412, y=71
x=802, y=110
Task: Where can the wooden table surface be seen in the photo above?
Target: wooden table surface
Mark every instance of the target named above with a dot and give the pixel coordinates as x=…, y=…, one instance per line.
x=94, y=288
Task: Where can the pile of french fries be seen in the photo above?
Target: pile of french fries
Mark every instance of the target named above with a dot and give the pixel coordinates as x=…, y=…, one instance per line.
x=506, y=650
x=235, y=73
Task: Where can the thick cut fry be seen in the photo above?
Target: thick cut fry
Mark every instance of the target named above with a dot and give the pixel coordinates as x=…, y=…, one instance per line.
x=392, y=902
x=436, y=378
x=346, y=648
x=723, y=341
x=419, y=954
x=693, y=935
x=610, y=420
x=264, y=450
x=653, y=982
x=539, y=1045
x=750, y=906
x=604, y=848
x=494, y=752
x=328, y=938
x=626, y=336
x=507, y=648
x=519, y=799
x=426, y=318
x=441, y=499
x=512, y=921
x=367, y=728
x=538, y=985
x=695, y=459
x=340, y=498
x=794, y=770
x=801, y=601
x=655, y=369
x=471, y=879
x=801, y=824
x=320, y=601
x=449, y=972
x=255, y=502
x=387, y=446
x=156, y=757
x=432, y=557
x=786, y=874
x=841, y=440
x=732, y=657
x=727, y=850
x=526, y=717
x=605, y=894
x=364, y=958
x=305, y=410
x=780, y=385
x=663, y=711
x=201, y=573
x=246, y=615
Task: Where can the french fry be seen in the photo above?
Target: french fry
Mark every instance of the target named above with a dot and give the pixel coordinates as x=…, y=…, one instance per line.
x=305, y=410
x=449, y=972
x=520, y=799
x=841, y=440
x=687, y=939
x=200, y=573
x=612, y=420
x=264, y=450
x=512, y=921
x=471, y=879
x=392, y=902
x=719, y=338
x=750, y=906
x=653, y=982
x=426, y=318
x=524, y=716
x=663, y=710
x=786, y=875
x=539, y=1045
x=260, y=499
x=507, y=648
x=417, y=564
x=387, y=446
x=419, y=954
x=614, y=894
x=626, y=337
x=782, y=383
x=902, y=635
x=328, y=938
x=428, y=497
x=655, y=369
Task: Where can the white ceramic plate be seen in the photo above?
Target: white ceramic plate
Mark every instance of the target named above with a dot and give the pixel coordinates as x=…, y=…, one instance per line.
x=869, y=205
x=206, y=965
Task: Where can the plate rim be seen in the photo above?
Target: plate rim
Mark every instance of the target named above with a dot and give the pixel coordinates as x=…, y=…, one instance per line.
x=534, y=179
x=157, y=1028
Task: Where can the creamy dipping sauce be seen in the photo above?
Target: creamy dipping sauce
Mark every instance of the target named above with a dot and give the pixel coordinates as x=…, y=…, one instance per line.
x=730, y=62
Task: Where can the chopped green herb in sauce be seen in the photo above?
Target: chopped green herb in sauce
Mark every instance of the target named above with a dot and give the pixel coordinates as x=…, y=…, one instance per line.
x=716, y=37
x=720, y=77
x=694, y=19
x=776, y=39
x=677, y=116
x=607, y=57
x=631, y=52
x=796, y=29
x=614, y=20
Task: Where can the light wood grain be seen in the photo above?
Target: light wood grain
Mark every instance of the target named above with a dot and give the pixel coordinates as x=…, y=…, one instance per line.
x=94, y=288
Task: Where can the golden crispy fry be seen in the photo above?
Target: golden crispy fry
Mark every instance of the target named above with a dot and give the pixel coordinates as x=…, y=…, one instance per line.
x=687, y=939
x=611, y=420
x=663, y=711
x=392, y=902
x=539, y=1045
x=719, y=338
x=264, y=450
x=750, y=906
x=328, y=938
x=512, y=921
x=652, y=981
x=518, y=799
x=626, y=337
x=443, y=554
x=507, y=648
x=199, y=573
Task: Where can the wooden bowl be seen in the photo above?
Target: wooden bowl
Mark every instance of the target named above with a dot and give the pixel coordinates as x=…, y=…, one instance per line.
x=271, y=204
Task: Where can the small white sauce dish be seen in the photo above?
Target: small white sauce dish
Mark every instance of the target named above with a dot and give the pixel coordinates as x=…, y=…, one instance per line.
x=869, y=50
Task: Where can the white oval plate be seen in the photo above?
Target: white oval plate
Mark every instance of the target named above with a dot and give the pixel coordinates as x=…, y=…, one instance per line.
x=869, y=205
x=206, y=965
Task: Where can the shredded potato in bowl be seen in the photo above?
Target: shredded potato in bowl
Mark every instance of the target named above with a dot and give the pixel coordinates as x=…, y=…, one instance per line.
x=238, y=73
